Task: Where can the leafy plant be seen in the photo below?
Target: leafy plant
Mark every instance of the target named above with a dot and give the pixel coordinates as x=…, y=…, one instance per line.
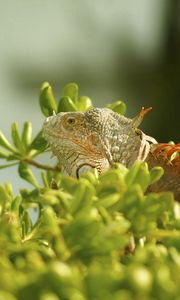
x=80, y=245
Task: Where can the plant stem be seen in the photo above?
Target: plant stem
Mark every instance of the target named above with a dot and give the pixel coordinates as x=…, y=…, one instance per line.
x=41, y=166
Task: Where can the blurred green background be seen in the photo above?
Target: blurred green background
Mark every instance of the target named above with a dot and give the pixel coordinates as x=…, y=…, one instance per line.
x=127, y=50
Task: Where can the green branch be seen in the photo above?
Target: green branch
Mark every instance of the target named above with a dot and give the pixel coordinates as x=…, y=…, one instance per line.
x=41, y=166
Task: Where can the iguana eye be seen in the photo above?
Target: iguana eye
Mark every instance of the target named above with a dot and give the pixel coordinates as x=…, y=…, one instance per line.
x=71, y=121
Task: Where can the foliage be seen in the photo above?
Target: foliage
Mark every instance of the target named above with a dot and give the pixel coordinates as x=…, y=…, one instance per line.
x=80, y=246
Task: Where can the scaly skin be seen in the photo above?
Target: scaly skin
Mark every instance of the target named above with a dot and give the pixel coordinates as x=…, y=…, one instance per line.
x=99, y=137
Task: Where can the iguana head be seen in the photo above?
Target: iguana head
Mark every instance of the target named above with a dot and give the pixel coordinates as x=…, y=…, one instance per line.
x=92, y=139
x=74, y=137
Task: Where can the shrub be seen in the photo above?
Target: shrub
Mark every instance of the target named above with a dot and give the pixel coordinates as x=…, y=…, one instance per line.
x=79, y=246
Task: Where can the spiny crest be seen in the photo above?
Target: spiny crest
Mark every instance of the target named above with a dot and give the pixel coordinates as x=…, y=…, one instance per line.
x=100, y=116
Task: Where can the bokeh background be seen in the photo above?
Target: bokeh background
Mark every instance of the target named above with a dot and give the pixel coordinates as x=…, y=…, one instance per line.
x=127, y=50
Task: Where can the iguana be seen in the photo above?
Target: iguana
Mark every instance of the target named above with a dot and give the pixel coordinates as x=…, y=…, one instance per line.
x=100, y=137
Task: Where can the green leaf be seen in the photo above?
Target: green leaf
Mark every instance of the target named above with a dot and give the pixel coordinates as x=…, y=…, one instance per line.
x=8, y=165
x=44, y=179
x=26, y=173
x=83, y=194
x=16, y=137
x=39, y=143
x=110, y=182
x=131, y=200
x=71, y=91
x=47, y=225
x=118, y=106
x=139, y=174
x=69, y=184
x=5, y=144
x=143, y=176
x=155, y=174
x=27, y=222
x=84, y=103
x=108, y=200
x=15, y=204
x=140, y=278
x=27, y=134
x=6, y=295
x=5, y=197
x=46, y=100
x=4, y=154
x=49, y=296
x=9, y=189
x=66, y=104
